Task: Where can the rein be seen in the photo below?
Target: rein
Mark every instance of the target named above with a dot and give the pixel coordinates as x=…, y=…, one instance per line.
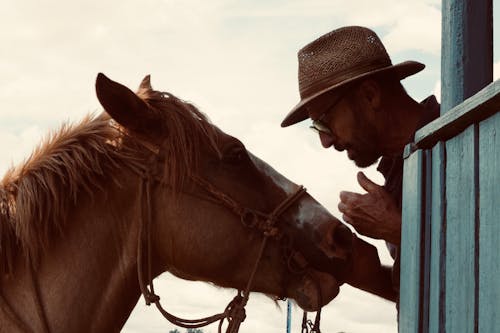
x=235, y=310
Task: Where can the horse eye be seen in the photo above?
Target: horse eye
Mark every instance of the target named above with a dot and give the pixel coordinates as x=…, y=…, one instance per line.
x=236, y=154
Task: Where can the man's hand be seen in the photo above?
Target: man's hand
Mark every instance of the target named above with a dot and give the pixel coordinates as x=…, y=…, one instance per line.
x=373, y=214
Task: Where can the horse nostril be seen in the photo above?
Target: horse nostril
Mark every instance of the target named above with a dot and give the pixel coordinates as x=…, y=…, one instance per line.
x=342, y=238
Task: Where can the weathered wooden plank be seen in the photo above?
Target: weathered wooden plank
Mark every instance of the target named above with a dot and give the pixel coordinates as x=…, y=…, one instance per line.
x=460, y=232
x=437, y=240
x=474, y=109
x=489, y=229
x=426, y=241
x=409, y=298
x=466, y=51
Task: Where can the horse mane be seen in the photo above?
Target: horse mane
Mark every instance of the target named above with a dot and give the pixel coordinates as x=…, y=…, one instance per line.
x=36, y=196
x=186, y=129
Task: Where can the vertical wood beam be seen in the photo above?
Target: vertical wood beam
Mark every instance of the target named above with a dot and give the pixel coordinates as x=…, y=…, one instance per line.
x=437, y=240
x=466, y=49
x=489, y=231
x=467, y=63
x=460, y=261
x=411, y=243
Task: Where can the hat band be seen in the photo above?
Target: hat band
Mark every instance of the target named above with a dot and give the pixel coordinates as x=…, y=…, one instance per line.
x=307, y=90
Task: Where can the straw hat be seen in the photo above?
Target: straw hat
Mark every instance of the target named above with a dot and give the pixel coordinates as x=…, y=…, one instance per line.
x=340, y=57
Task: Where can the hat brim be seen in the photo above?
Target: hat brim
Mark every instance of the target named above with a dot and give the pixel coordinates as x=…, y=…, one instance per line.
x=401, y=70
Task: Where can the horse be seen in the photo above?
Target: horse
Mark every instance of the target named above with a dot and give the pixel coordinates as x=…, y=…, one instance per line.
x=103, y=206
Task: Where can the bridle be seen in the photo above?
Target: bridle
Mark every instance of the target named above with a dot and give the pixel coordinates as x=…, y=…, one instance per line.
x=234, y=312
x=265, y=223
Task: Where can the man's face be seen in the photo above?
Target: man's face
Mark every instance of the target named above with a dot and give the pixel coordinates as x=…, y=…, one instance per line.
x=351, y=129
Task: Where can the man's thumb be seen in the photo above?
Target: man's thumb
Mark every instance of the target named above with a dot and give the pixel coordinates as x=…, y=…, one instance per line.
x=366, y=183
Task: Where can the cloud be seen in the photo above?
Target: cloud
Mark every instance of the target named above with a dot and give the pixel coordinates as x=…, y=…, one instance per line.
x=420, y=31
x=236, y=60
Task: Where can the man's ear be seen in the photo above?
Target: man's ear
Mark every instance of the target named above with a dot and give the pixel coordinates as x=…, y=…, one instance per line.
x=370, y=94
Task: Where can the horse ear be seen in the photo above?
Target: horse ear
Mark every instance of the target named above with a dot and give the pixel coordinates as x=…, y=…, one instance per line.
x=124, y=106
x=146, y=83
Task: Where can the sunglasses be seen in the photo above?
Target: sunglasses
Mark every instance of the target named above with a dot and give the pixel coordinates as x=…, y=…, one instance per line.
x=319, y=125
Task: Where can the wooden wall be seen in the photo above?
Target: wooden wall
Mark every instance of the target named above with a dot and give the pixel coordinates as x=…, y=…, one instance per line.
x=450, y=267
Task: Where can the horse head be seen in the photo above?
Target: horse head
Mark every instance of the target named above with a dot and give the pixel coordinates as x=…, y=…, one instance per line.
x=211, y=202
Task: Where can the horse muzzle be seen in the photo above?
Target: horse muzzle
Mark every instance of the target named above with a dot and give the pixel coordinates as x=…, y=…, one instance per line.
x=314, y=290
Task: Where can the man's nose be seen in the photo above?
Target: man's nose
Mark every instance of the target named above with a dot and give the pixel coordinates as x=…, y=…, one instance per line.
x=326, y=140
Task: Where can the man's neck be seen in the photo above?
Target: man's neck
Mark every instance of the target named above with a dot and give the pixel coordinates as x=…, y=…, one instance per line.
x=406, y=114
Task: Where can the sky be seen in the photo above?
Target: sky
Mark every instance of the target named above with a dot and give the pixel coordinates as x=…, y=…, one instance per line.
x=236, y=61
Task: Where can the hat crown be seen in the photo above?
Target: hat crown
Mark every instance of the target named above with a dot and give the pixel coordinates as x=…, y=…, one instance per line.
x=337, y=56
x=337, y=59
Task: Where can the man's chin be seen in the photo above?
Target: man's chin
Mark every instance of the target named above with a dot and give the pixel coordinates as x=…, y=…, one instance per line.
x=363, y=161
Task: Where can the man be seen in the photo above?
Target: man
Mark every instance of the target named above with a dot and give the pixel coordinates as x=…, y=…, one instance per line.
x=351, y=91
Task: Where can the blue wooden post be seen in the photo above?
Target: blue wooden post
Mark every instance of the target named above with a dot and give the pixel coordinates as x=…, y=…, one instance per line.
x=288, y=316
x=466, y=50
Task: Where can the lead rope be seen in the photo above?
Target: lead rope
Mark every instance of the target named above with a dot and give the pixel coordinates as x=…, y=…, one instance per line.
x=235, y=310
x=308, y=326
x=269, y=231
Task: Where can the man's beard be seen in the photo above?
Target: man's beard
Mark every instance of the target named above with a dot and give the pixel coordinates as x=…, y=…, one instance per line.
x=367, y=150
x=365, y=159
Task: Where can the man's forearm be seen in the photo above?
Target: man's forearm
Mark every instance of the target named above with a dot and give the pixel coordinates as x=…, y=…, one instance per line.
x=379, y=284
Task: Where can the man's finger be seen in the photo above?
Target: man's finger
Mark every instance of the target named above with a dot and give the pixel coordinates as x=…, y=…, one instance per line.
x=342, y=207
x=347, y=197
x=366, y=183
x=346, y=218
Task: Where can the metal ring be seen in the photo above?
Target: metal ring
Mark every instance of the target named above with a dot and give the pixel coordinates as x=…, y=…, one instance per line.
x=249, y=218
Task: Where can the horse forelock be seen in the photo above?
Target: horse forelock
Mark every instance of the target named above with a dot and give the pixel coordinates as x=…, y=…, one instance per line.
x=185, y=129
